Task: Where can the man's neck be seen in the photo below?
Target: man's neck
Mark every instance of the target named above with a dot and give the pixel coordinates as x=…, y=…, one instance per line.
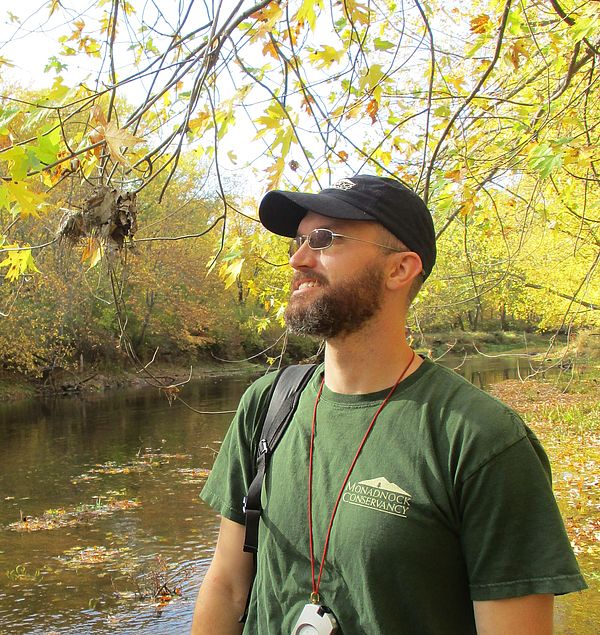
x=367, y=361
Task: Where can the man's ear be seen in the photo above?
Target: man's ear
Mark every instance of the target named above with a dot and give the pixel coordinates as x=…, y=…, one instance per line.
x=404, y=267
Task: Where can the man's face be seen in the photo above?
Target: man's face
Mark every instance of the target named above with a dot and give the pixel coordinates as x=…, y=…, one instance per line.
x=337, y=290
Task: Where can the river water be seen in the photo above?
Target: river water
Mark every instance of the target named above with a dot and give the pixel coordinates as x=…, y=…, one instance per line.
x=121, y=472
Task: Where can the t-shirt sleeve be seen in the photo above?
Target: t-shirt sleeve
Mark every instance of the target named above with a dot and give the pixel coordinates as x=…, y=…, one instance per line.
x=233, y=469
x=514, y=540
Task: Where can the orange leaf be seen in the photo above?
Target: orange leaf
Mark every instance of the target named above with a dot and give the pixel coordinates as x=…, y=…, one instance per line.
x=480, y=24
x=454, y=175
x=372, y=109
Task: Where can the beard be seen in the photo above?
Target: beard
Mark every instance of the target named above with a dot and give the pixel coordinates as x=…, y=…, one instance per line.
x=340, y=309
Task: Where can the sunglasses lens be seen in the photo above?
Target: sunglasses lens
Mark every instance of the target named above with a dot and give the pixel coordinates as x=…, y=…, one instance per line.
x=320, y=239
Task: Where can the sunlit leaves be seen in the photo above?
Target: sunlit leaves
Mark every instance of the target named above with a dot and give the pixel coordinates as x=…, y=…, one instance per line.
x=117, y=140
x=308, y=12
x=230, y=270
x=356, y=12
x=545, y=159
x=20, y=198
x=326, y=55
x=587, y=22
x=276, y=120
x=18, y=261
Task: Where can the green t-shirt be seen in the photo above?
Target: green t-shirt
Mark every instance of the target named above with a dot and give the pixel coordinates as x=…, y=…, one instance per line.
x=450, y=501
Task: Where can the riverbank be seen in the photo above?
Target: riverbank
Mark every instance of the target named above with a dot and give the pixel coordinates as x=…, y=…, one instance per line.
x=15, y=386
x=123, y=374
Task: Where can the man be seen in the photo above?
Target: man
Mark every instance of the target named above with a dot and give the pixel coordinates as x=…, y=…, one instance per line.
x=401, y=499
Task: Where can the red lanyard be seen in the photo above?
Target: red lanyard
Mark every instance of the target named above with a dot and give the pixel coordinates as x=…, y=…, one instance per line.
x=316, y=582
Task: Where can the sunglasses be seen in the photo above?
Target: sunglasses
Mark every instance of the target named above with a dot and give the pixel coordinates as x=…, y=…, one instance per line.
x=319, y=239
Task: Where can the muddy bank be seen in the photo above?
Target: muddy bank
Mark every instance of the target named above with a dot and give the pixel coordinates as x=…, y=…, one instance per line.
x=167, y=377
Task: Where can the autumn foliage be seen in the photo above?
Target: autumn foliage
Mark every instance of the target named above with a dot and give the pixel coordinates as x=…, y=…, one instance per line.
x=488, y=109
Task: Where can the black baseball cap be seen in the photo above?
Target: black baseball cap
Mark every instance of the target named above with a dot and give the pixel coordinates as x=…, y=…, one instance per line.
x=361, y=197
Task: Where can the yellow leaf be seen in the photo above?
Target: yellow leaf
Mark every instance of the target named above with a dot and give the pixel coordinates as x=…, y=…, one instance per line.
x=326, y=56
x=200, y=122
x=27, y=201
x=355, y=12
x=515, y=52
x=230, y=271
x=271, y=13
x=467, y=208
x=308, y=12
x=270, y=49
x=117, y=138
x=5, y=62
x=18, y=262
x=275, y=173
x=454, y=175
x=457, y=81
x=92, y=252
x=53, y=6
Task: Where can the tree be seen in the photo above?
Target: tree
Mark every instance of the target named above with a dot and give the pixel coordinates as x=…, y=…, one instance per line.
x=488, y=109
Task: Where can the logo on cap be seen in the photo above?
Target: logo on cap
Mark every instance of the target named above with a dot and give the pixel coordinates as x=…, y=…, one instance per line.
x=344, y=184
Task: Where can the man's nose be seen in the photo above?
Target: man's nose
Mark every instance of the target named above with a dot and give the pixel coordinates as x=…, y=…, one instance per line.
x=303, y=257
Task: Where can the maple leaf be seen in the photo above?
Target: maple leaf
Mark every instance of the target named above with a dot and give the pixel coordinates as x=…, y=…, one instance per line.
x=19, y=262
x=200, y=122
x=116, y=138
x=372, y=110
x=454, y=175
x=275, y=173
x=271, y=12
x=27, y=201
x=515, y=53
x=97, y=116
x=270, y=49
x=326, y=56
x=480, y=24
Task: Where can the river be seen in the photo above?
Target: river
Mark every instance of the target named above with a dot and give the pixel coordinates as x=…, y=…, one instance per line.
x=113, y=479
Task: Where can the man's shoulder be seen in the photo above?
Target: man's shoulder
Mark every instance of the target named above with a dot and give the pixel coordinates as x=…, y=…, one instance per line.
x=470, y=410
x=461, y=391
x=260, y=389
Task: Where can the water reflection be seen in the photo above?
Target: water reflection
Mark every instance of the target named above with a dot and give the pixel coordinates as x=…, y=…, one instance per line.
x=57, y=453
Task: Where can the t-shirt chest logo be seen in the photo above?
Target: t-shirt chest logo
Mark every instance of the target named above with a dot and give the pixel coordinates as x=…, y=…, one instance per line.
x=379, y=495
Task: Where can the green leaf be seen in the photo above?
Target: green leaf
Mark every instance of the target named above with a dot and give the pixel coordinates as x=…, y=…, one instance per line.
x=544, y=159
x=19, y=162
x=383, y=45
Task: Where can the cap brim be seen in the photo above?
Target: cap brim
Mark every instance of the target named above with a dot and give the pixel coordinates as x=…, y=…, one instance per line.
x=281, y=212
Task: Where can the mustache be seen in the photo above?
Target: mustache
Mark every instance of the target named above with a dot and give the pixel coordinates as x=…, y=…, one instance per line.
x=304, y=276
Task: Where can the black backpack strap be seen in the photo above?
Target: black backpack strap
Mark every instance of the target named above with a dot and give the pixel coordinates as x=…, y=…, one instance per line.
x=285, y=394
